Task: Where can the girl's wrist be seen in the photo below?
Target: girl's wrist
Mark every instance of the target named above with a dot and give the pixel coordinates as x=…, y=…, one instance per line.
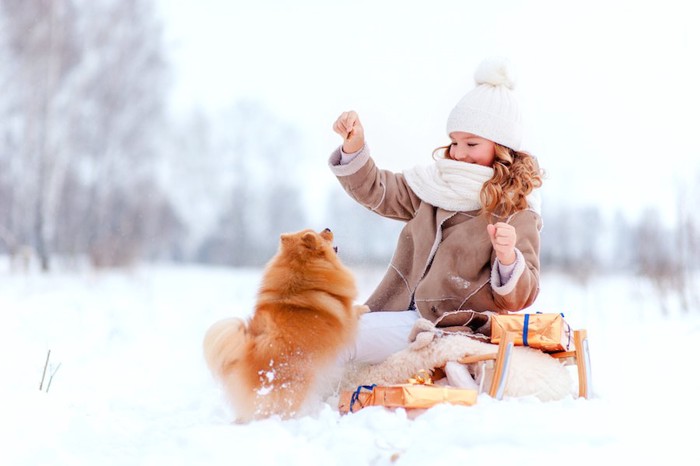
x=350, y=147
x=507, y=259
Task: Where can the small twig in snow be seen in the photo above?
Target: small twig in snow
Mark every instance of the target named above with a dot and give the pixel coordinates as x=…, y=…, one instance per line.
x=43, y=375
x=51, y=377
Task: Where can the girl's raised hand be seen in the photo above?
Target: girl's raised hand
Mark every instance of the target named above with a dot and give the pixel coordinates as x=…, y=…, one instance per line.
x=503, y=238
x=349, y=127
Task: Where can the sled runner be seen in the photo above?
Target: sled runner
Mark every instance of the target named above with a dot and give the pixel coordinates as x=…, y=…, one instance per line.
x=579, y=355
x=582, y=358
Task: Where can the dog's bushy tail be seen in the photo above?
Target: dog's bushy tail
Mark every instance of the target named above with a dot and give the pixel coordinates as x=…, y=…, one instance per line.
x=224, y=345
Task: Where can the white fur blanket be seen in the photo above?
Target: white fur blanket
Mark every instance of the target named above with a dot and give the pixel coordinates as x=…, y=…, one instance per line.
x=531, y=373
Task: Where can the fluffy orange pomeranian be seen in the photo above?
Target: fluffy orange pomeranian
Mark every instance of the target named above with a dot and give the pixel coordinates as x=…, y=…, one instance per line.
x=303, y=318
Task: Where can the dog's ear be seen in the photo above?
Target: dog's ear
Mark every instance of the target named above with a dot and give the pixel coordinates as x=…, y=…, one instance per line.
x=310, y=240
x=287, y=240
x=327, y=234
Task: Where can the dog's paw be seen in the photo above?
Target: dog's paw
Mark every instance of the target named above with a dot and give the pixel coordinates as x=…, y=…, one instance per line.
x=360, y=309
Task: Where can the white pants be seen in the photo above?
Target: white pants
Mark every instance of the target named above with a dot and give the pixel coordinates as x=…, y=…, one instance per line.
x=380, y=335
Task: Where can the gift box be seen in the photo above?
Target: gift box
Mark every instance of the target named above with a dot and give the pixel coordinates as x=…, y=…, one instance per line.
x=546, y=332
x=354, y=400
x=408, y=396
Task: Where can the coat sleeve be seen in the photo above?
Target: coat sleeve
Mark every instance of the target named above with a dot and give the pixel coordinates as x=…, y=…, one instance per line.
x=523, y=286
x=380, y=191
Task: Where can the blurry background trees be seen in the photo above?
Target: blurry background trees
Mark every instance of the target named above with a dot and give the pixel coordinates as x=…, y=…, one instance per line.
x=80, y=121
x=93, y=166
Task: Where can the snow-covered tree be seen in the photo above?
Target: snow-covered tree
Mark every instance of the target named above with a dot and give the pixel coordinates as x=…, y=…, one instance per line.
x=86, y=85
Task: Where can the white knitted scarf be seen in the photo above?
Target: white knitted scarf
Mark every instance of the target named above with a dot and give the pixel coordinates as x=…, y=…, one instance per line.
x=449, y=184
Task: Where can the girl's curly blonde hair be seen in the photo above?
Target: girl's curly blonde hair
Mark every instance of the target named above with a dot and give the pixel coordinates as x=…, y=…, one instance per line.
x=516, y=174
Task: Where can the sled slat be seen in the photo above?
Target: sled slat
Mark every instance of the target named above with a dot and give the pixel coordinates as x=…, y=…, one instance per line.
x=478, y=358
x=500, y=370
x=563, y=354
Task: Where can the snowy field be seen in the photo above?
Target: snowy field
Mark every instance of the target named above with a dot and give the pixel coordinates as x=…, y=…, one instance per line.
x=132, y=389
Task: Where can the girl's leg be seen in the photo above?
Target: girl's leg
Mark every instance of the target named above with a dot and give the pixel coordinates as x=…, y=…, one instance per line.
x=380, y=335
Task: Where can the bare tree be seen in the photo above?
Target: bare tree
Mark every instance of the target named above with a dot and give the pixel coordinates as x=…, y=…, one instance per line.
x=658, y=258
x=38, y=39
x=687, y=242
x=124, y=91
x=88, y=87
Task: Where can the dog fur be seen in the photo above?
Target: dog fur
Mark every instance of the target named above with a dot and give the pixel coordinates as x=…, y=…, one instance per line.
x=304, y=316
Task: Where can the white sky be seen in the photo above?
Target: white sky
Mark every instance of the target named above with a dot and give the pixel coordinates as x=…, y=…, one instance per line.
x=609, y=89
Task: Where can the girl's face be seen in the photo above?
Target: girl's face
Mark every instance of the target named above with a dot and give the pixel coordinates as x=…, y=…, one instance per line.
x=467, y=147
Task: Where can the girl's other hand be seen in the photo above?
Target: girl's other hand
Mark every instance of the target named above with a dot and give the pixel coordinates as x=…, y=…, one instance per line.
x=503, y=238
x=349, y=127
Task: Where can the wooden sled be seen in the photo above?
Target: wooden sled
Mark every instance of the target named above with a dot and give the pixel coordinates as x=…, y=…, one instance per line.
x=502, y=359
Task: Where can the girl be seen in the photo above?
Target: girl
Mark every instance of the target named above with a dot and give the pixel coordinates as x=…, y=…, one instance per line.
x=471, y=241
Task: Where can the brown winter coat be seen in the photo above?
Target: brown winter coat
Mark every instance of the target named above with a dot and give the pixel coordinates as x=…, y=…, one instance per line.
x=443, y=260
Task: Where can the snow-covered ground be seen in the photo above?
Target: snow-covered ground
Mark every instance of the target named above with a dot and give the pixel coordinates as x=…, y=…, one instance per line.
x=132, y=389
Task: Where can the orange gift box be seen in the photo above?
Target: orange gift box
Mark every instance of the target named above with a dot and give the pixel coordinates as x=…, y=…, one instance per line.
x=408, y=396
x=546, y=332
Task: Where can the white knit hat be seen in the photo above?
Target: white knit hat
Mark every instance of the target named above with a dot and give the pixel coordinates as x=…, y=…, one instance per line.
x=490, y=110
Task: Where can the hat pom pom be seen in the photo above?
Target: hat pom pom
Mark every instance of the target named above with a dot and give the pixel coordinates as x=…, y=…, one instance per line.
x=495, y=72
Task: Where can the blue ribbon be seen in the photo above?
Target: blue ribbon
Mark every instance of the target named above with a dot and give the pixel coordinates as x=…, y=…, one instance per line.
x=355, y=398
x=525, y=325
